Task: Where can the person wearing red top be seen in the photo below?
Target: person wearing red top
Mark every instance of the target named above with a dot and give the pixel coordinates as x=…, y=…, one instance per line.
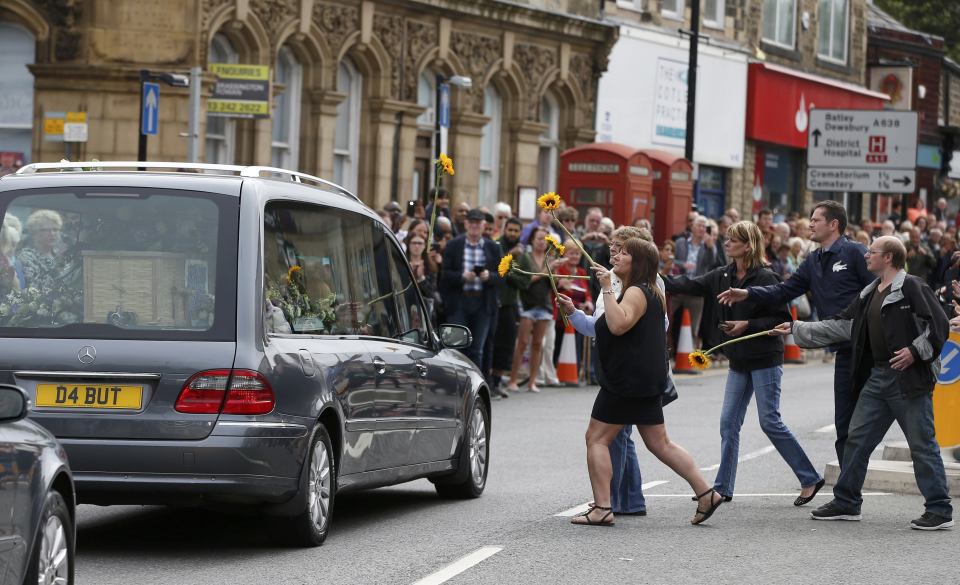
x=578, y=291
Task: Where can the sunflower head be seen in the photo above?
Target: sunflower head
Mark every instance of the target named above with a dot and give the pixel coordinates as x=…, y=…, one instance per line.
x=549, y=201
x=292, y=271
x=699, y=360
x=555, y=245
x=506, y=263
x=446, y=164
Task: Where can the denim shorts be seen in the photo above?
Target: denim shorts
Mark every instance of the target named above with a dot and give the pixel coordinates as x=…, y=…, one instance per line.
x=537, y=314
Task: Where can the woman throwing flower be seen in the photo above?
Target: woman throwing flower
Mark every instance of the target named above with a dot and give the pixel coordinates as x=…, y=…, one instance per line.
x=631, y=344
x=756, y=365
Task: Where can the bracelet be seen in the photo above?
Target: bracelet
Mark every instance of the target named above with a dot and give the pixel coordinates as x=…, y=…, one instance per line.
x=607, y=292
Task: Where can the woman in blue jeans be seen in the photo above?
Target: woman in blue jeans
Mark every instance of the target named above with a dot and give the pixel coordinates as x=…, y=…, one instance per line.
x=756, y=365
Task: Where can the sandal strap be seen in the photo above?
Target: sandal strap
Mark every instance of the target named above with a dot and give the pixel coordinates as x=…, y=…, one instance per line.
x=705, y=493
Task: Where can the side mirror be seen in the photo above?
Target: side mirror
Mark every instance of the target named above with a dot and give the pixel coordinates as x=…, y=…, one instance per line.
x=14, y=404
x=455, y=336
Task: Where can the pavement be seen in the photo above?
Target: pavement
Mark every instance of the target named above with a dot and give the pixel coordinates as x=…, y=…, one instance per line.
x=513, y=534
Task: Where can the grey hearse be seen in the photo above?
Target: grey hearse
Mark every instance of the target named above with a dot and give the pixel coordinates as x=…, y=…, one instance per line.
x=223, y=333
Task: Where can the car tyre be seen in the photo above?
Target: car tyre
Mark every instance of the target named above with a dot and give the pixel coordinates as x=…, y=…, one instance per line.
x=471, y=476
x=318, y=486
x=52, y=560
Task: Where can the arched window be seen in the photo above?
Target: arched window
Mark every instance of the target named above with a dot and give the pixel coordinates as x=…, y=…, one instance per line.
x=346, y=149
x=221, y=131
x=490, y=148
x=424, y=154
x=549, y=143
x=17, y=51
x=287, y=84
x=426, y=96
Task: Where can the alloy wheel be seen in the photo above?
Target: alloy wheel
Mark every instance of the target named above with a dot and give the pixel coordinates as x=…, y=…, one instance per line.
x=54, y=566
x=478, y=448
x=320, y=478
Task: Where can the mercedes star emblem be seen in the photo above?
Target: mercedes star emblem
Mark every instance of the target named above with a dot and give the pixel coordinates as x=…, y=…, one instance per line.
x=87, y=354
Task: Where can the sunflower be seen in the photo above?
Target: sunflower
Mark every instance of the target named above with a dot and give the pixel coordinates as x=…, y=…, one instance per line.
x=293, y=270
x=446, y=163
x=505, y=264
x=549, y=201
x=699, y=360
x=555, y=245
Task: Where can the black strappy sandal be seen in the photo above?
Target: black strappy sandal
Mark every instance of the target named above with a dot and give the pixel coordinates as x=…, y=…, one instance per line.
x=800, y=501
x=705, y=514
x=586, y=516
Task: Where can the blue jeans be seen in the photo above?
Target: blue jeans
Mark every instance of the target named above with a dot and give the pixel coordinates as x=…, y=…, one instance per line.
x=626, y=493
x=880, y=404
x=844, y=398
x=472, y=314
x=765, y=383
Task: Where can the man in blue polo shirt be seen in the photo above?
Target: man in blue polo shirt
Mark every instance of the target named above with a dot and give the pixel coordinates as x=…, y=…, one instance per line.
x=834, y=274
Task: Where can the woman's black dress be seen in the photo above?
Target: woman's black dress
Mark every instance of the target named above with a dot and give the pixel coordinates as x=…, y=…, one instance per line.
x=633, y=368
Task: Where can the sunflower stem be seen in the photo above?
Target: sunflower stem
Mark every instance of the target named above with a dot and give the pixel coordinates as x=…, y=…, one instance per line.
x=737, y=340
x=575, y=240
x=553, y=285
x=433, y=212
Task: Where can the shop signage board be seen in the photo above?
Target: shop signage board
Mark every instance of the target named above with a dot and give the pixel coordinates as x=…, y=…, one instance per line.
x=242, y=91
x=871, y=151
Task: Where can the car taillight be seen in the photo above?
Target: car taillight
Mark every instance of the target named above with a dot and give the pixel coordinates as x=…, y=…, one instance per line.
x=250, y=393
x=227, y=391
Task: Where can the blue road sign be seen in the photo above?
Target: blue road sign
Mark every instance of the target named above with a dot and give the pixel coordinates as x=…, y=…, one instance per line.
x=444, y=105
x=151, y=106
x=949, y=363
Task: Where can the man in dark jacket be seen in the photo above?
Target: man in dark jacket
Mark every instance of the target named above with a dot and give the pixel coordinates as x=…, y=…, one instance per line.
x=897, y=329
x=835, y=274
x=469, y=282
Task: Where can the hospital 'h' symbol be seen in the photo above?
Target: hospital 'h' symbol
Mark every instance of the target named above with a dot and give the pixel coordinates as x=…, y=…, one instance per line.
x=878, y=144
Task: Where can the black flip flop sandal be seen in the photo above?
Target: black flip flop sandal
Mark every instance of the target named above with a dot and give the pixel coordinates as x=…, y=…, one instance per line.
x=586, y=516
x=705, y=514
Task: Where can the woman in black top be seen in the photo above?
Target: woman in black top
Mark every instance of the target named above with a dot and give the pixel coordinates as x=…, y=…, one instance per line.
x=631, y=345
x=756, y=365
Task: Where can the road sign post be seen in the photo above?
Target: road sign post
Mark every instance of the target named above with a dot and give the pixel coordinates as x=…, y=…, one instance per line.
x=871, y=151
x=149, y=110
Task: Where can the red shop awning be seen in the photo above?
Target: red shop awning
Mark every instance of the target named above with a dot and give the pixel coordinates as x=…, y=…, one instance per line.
x=779, y=101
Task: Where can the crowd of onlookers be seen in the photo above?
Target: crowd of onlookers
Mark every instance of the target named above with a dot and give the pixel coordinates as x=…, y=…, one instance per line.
x=517, y=331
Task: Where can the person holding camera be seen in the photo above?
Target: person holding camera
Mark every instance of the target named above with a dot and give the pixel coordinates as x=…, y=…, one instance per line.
x=469, y=282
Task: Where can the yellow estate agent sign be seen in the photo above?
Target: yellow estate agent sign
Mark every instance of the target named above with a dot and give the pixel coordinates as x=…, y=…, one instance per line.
x=242, y=91
x=946, y=396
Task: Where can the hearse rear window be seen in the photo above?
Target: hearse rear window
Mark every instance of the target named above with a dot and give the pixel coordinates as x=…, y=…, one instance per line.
x=118, y=264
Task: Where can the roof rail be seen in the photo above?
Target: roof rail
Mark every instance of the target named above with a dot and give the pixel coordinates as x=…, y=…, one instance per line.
x=233, y=170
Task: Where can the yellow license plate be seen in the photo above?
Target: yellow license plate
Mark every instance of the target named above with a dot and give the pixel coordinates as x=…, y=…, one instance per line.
x=90, y=396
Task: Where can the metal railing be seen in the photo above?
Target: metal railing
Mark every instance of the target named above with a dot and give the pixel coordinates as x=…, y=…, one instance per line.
x=205, y=168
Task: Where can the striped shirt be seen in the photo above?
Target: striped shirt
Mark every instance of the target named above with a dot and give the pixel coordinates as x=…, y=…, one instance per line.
x=473, y=256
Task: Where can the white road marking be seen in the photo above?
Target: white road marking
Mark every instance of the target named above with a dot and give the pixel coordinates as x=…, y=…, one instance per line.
x=826, y=429
x=583, y=507
x=738, y=495
x=747, y=457
x=457, y=567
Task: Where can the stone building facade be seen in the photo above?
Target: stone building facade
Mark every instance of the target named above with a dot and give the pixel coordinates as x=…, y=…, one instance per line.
x=353, y=84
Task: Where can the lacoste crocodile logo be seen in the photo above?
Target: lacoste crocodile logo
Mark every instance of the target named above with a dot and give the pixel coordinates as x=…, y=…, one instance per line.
x=839, y=266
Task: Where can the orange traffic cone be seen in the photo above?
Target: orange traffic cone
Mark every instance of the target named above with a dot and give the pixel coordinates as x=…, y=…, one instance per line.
x=567, y=362
x=791, y=351
x=684, y=347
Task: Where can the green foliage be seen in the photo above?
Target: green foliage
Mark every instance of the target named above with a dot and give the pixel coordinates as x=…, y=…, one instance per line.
x=937, y=17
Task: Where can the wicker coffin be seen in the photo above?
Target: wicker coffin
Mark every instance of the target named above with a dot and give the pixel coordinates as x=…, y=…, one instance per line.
x=147, y=284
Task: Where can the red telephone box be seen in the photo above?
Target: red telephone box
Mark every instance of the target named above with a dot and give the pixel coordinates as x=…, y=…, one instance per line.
x=614, y=177
x=672, y=193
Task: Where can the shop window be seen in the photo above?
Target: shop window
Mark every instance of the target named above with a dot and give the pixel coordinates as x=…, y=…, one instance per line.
x=780, y=22
x=832, y=30
x=781, y=180
x=713, y=13
x=710, y=191
x=549, y=143
x=221, y=133
x=287, y=84
x=346, y=149
x=17, y=51
x=490, y=148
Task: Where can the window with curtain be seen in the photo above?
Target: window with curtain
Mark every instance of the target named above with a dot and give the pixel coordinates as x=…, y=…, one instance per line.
x=346, y=148
x=17, y=51
x=832, y=30
x=287, y=84
x=490, y=148
x=221, y=132
x=549, y=143
x=780, y=22
x=713, y=12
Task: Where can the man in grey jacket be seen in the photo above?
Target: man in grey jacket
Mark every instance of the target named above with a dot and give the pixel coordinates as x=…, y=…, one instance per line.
x=698, y=256
x=897, y=330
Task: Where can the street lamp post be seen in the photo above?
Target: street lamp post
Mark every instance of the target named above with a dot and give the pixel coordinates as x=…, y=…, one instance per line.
x=441, y=117
x=171, y=79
